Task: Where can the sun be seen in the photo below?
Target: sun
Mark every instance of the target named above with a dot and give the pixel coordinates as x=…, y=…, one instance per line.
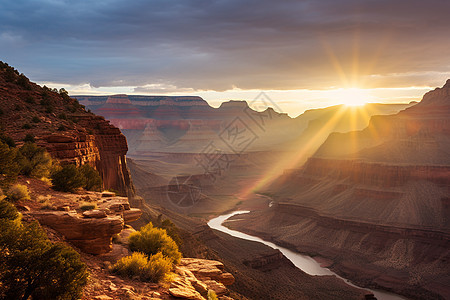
x=351, y=96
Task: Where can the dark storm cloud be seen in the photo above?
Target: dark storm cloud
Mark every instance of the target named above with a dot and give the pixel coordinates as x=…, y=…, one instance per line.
x=225, y=43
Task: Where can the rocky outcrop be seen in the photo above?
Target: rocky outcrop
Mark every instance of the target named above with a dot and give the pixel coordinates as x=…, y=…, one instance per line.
x=112, y=147
x=196, y=276
x=121, y=207
x=91, y=235
x=105, y=149
x=91, y=230
x=63, y=126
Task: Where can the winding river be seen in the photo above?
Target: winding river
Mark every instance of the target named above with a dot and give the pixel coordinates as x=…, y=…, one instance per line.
x=303, y=262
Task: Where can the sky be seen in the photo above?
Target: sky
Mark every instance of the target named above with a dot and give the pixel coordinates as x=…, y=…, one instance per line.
x=302, y=54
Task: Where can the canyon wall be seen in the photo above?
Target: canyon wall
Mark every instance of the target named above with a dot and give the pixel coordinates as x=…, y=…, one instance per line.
x=376, y=174
x=189, y=124
x=374, y=201
x=69, y=133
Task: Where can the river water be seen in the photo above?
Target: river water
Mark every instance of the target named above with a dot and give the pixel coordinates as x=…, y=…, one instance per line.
x=305, y=263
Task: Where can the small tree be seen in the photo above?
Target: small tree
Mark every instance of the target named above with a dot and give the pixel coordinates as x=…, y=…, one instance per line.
x=67, y=179
x=93, y=181
x=32, y=266
x=18, y=192
x=7, y=140
x=8, y=166
x=151, y=240
x=8, y=211
x=29, y=138
x=35, y=161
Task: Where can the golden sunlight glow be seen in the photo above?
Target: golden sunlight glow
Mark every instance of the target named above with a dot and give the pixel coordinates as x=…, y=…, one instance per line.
x=357, y=116
x=351, y=96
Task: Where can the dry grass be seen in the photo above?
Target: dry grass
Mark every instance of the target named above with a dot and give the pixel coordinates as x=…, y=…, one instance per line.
x=85, y=205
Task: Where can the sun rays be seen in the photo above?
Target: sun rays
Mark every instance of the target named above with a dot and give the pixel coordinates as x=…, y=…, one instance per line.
x=351, y=96
x=354, y=116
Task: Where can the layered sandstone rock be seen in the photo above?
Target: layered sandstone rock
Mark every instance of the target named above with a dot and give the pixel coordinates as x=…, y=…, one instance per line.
x=196, y=276
x=91, y=230
x=69, y=133
x=91, y=235
x=376, y=174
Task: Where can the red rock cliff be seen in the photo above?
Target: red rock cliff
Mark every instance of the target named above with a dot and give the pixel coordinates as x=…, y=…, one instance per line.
x=61, y=125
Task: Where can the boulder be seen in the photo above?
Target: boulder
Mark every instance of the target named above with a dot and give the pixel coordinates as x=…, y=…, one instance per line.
x=217, y=287
x=95, y=214
x=207, y=269
x=131, y=215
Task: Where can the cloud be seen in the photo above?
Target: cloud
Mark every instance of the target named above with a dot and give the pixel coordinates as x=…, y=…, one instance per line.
x=219, y=45
x=161, y=89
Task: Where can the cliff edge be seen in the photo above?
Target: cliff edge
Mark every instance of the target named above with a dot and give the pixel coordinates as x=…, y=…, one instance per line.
x=63, y=126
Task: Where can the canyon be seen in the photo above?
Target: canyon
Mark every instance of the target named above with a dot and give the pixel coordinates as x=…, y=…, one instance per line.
x=366, y=194
x=226, y=149
x=374, y=202
x=94, y=224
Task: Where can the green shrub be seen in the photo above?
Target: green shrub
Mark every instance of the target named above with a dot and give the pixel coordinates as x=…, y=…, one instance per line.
x=151, y=240
x=35, y=120
x=35, y=161
x=139, y=265
x=8, y=165
x=88, y=206
x=30, y=100
x=93, y=181
x=29, y=138
x=157, y=268
x=62, y=116
x=171, y=231
x=7, y=140
x=45, y=101
x=212, y=295
x=33, y=267
x=47, y=205
x=8, y=211
x=24, y=82
x=10, y=75
x=130, y=266
x=18, y=192
x=26, y=126
x=67, y=179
